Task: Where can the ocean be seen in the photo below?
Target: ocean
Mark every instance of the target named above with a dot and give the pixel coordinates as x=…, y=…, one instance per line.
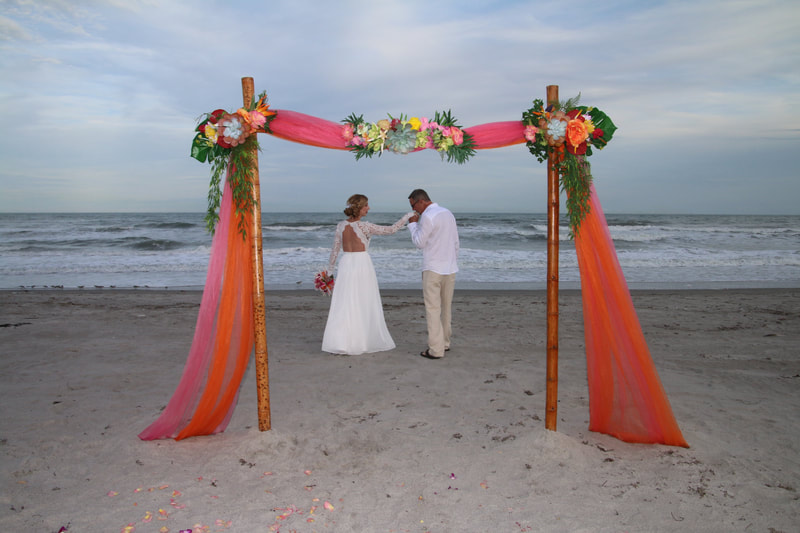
x=498, y=251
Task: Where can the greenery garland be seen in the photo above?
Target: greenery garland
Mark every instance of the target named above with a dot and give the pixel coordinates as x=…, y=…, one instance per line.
x=227, y=140
x=565, y=130
x=403, y=135
x=568, y=132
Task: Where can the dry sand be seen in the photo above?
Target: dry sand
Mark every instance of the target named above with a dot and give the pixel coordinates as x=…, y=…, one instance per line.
x=391, y=441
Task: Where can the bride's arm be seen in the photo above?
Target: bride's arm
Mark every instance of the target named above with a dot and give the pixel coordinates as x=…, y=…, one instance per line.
x=337, y=245
x=373, y=229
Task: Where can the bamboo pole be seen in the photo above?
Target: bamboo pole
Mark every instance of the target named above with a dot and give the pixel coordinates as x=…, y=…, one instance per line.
x=259, y=315
x=551, y=411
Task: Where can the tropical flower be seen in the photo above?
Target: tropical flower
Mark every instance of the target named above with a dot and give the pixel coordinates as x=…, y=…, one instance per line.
x=403, y=135
x=576, y=136
x=556, y=129
x=210, y=131
x=217, y=142
x=324, y=282
x=565, y=133
x=347, y=132
x=233, y=130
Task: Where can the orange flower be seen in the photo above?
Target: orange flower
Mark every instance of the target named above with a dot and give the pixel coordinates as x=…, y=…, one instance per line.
x=263, y=108
x=576, y=132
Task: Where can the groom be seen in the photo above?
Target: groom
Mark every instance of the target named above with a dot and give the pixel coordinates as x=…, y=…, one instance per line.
x=434, y=231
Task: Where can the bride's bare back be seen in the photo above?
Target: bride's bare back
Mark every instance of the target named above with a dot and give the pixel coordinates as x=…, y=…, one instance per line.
x=350, y=241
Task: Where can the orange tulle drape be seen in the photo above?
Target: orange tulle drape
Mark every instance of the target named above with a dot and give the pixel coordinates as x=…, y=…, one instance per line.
x=626, y=398
x=206, y=395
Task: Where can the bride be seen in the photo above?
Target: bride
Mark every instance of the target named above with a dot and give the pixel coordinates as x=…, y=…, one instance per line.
x=355, y=319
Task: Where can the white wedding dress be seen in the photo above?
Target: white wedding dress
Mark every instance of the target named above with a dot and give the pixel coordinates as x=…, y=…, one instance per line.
x=355, y=319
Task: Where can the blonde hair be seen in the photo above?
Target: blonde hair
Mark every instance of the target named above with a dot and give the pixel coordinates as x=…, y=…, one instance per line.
x=354, y=205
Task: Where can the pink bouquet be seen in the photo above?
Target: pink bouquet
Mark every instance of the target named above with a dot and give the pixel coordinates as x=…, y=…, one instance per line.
x=324, y=282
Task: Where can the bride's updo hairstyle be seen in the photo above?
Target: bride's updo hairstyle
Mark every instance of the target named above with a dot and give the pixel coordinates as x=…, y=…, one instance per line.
x=354, y=205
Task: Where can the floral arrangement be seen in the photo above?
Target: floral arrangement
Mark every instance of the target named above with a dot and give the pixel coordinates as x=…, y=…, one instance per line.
x=323, y=282
x=403, y=135
x=569, y=132
x=220, y=140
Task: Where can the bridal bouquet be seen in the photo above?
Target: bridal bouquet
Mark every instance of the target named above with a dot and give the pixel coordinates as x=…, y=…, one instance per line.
x=323, y=282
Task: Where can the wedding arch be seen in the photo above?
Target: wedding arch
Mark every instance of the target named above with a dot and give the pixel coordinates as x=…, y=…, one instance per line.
x=626, y=398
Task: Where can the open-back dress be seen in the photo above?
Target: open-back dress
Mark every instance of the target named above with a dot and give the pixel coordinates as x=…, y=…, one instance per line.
x=355, y=320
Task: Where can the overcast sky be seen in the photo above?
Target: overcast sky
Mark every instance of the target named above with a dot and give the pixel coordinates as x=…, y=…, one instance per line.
x=100, y=99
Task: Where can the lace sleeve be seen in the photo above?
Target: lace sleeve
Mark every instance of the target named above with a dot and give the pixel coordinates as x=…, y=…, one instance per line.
x=371, y=229
x=337, y=246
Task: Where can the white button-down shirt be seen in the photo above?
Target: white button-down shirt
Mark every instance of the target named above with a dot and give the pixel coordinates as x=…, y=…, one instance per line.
x=436, y=235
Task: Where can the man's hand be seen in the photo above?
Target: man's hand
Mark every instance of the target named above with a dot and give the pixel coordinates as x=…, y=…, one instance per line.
x=414, y=218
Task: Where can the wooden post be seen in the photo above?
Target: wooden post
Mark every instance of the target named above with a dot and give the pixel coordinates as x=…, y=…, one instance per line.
x=551, y=410
x=259, y=315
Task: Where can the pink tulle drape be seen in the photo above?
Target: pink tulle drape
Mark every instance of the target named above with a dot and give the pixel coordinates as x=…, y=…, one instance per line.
x=205, y=398
x=306, y=129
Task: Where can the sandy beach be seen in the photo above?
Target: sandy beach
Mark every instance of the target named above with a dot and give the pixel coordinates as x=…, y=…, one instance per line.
x=392, y=442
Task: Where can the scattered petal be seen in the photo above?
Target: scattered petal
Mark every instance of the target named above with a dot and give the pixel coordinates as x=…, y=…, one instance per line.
x=328, y=506
x=128, y=529
x=176, y=505
x=308, y=472
x=484, y=485
x=112, y=493
x=452, y=476
x=148, y=516
x=176, y=493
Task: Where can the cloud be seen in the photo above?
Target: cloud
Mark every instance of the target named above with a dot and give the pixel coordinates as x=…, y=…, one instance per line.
x=105, y=95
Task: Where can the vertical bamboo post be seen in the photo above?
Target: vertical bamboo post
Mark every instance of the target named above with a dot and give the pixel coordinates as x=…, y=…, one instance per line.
x=551, y=412
x=259, y=316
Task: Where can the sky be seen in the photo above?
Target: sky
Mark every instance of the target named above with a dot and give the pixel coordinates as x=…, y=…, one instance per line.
x=100, y=99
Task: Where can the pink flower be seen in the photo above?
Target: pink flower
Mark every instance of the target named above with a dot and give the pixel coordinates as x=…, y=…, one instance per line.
x=458, y=136
x=424, y=124
x=347, y=132
x=257, y=119
x=446, y=131
x=530, y=133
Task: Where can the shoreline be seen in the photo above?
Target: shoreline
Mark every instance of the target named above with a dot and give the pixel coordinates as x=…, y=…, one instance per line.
x=468, y=287
x=394, y=442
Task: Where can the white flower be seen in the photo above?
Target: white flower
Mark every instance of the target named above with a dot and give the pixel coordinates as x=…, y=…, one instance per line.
x=557, y=128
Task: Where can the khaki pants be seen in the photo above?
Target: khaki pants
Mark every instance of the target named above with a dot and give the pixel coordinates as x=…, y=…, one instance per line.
x=437, y=290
